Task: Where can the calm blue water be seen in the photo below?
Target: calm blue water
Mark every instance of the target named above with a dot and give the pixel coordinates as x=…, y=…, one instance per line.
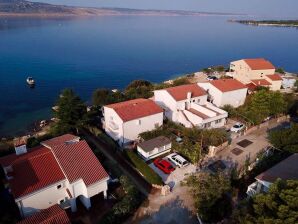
x=85, y=54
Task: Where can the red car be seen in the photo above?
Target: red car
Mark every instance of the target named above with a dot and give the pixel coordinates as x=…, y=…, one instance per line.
x=164, y=166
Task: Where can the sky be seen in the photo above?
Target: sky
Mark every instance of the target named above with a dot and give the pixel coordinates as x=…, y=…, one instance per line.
x=274, y=8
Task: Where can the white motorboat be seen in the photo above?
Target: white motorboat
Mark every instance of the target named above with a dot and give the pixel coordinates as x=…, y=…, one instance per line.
x=30, y=81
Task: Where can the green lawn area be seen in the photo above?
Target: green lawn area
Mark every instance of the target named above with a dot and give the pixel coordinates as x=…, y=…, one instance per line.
x=143, y=167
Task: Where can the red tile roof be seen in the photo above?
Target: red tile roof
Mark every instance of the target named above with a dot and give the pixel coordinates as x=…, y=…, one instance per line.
x=78, y=161
x=180, y=92
x=134, y=109
x=60, y=140
x=259, y=64
x=226, y=85
x=51, y=215
x=275, y=77
x=251, y=86
x=32, y=171
x=261, y=82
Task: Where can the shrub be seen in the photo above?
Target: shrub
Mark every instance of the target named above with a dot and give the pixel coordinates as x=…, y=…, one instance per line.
x=148, y=173
x=124, y=208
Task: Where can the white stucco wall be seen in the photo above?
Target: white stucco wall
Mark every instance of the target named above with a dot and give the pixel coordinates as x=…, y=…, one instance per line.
x=111, y=117
x=42, y=199
x=155, y=152
x=235, y=98
x=132, y=129
x=97, y=188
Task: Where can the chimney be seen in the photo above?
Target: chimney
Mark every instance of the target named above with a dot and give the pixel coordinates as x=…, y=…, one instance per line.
x=20, y=146
x=188, y=95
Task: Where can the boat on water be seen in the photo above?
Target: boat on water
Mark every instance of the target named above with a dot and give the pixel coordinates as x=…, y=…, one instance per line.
x=30, y=81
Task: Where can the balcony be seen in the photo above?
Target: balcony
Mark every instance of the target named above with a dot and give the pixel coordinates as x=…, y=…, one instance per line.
x=113, y=126
x=252, y=189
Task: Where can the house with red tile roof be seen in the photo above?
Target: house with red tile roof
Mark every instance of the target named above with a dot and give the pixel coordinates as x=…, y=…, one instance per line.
x=58, y=171
x=225, y=92
x=188, y=105
x=52, y=215
x=124, y=121
x=246, y=70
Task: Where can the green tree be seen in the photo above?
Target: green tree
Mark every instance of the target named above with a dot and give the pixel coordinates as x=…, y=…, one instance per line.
x=296, y=85
x=277, y=104
x=280, y=70
x=210, y=192
x=259, y=107
x=278, y=206
x=100, y=97
x=181, y=81
x=71, y=113
x=139, y=89
x=285, y=139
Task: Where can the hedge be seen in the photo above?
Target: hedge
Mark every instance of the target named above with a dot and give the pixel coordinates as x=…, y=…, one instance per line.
x=149, y=174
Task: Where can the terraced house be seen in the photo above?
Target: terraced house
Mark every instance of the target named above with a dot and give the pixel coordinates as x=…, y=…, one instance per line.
x=188, y=105
x=58, y=171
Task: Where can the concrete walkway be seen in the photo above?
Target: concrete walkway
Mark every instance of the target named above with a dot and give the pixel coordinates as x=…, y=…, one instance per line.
x=175, y=208
x=132, y=173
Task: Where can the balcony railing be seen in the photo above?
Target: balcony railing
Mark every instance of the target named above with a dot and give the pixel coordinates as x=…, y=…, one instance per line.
x=252, y=189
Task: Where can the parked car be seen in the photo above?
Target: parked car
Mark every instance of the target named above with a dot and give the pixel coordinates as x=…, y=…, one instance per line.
x=210, y=78
x=178, y=160
x=164, y=166
x=238, y=127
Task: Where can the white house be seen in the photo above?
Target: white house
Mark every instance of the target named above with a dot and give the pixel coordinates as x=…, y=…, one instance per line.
x=187, y=104
x=285, y=170
x=258, y=71
x=154, y=147
x=126, y=120
x=59, y=171
x=225, y=92
x=288, y=82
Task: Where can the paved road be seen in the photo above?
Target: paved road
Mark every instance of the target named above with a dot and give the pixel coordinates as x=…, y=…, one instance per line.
x=259, y=141
x=135, y=176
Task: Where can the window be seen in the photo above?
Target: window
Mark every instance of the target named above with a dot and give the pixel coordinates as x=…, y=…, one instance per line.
x=207, y=125
x=217, y=121
x=193, y=100
x=59, y=186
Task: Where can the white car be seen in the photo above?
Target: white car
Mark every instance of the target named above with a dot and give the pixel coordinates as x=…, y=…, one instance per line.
x=237, y=127
x=178, y=160
x=210, y=78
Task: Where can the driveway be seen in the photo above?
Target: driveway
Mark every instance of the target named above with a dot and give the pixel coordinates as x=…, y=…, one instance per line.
x=176, y=176
x=175, y=208
x=245, y=147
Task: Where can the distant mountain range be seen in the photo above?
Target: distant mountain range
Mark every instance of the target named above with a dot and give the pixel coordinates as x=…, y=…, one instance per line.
x=26, y=8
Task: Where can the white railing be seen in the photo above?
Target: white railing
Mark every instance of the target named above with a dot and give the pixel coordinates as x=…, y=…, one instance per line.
x=252, y=189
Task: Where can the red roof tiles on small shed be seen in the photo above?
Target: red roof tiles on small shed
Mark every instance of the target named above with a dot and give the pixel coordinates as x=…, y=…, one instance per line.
x=226, y=85
x=180, y=92
x=259, y=64
x=275, y=77
x=51, y=215
x=78, y=161
x=135, y=109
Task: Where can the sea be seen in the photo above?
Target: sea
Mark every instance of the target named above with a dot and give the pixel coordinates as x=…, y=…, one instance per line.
x=86, y=53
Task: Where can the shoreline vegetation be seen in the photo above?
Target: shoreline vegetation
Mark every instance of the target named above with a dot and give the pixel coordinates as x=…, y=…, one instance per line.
x=22, y=8
x=275, y=23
